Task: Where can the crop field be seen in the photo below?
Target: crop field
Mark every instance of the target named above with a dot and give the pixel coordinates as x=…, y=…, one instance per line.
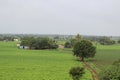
x=19, y=64
x=106, y=55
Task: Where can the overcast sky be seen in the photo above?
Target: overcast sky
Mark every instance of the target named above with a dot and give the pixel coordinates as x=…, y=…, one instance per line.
x=87, y=17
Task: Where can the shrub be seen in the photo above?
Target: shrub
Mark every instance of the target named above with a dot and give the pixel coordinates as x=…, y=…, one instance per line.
x=112, y=72
x=68, y=45
x=76, y=73
x=118, y=41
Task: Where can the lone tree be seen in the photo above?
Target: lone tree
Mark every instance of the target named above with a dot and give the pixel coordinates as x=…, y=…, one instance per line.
x=84, y=49
x=76, y=73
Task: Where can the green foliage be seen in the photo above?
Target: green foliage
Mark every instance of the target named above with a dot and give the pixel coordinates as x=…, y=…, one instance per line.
x=76, y=73
x=18, y=64
x=73, y=41
x=78, y=37
x=52, y=44
x=67, y=45
x=106, y=55
x=7, y=38
x=57, y=37
x=117, y=63
x=106, y=41
x=118, y=41
x=84, y=49
x=112, y=72
x=39, y=43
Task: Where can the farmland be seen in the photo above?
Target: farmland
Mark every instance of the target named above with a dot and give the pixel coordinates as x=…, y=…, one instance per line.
x=18, y=64
x=106, y=55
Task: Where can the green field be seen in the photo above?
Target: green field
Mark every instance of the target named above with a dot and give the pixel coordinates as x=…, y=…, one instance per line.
x=106, y=55
x=18, y=64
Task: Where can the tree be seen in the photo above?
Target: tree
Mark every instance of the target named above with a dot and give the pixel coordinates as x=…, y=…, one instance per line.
x=67, y=45
x=106, y=41
x=118, y=41
x=52, y=44
x=73, y=42
x=76, y=73
x=30, y=41
x=84, y=49
x=56, y=37
x=112, y=72
x=78, y=37
x=39, y=43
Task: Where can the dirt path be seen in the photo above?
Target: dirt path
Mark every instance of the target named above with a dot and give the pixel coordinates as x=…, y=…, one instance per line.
x=93, y=72
x=60, y=46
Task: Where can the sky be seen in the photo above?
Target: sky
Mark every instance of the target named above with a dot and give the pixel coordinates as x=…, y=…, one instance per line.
x=86, y=17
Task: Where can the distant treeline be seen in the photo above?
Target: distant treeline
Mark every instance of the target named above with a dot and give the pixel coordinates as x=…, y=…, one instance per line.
x=6, y=38
x=11, y=37
x=104, y=40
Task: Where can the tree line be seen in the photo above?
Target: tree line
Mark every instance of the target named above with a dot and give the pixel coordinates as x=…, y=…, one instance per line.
x=39, y=43
x=101, y=40
x=104, y=40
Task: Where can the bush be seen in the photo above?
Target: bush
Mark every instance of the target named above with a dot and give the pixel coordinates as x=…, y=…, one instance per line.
x=67, y=45
x=112, y=72
x=118, y=41
x=76, y=73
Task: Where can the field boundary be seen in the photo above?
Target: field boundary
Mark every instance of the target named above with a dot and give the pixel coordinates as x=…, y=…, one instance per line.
x=93, y=72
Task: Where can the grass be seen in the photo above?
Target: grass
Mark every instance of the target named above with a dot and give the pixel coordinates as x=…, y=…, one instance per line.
x=108, y=47
x=61, y=42
x=18, y=64
x=105, y=56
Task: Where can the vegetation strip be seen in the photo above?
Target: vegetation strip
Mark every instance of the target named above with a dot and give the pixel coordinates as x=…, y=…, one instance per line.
x=93, y=72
